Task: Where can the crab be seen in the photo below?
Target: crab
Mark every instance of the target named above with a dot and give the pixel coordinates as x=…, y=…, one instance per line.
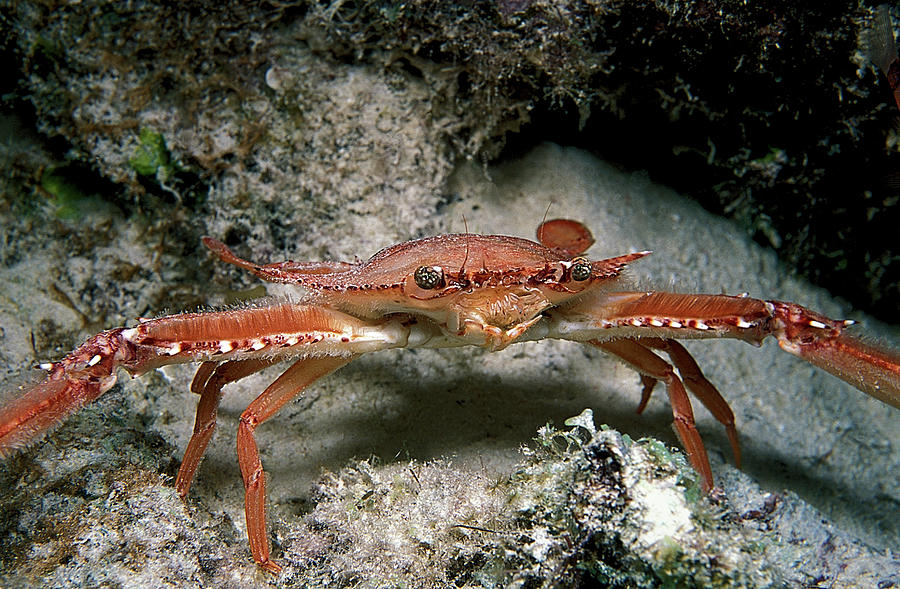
x=445, y=291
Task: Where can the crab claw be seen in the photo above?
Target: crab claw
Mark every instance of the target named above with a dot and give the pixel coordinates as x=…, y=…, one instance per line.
x=821, y=341
x=72, y=383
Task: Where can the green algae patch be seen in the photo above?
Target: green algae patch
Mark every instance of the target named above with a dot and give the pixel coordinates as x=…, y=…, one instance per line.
x=68, y=195
x=152, y=157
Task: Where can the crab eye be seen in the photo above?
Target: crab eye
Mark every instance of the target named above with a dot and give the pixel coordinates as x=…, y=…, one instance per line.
x=581, y=269
x=428, y=277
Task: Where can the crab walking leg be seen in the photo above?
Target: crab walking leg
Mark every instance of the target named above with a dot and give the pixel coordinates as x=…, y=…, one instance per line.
x=646, y=362
x=698, y=384
x=201, y=377
x=208, y=383
x=648, y=383
x=284, y=389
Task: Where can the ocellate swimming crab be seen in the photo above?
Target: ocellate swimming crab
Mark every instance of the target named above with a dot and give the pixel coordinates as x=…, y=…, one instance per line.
x=445, y=291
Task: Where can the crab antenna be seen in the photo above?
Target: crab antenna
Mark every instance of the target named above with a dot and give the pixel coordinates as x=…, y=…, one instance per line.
x=546, y=212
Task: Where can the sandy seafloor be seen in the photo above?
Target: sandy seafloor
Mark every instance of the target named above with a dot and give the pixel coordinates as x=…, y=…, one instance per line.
x=831, y=454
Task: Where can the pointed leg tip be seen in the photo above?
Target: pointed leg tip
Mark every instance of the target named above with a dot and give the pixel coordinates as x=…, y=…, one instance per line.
x=733, y=439
x=182, y=490
x=270, y=566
